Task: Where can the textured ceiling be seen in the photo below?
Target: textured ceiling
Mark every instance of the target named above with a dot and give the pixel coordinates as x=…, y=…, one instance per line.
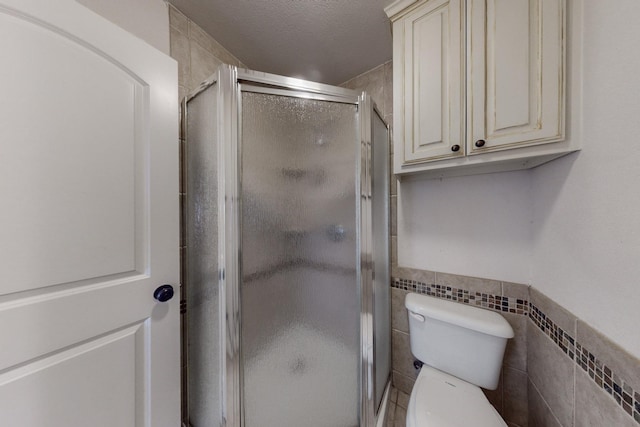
x=328, y=41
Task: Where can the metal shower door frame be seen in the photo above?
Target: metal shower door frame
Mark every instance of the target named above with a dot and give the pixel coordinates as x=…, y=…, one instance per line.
x=231, y=82
x=370, y=408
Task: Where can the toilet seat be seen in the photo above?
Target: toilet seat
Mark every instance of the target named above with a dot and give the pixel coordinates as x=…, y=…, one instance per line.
x=441, y=400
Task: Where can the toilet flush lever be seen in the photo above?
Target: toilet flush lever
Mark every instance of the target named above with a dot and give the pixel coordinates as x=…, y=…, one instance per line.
x=418, y=317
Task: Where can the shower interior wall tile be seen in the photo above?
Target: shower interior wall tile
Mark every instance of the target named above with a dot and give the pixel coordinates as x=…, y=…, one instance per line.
x=197, y=53
x=178, y=21
x=182, y=92
x=198, y=35
x=393, y=207
x=183, y=270
x=552, y=373
x=183, y=215
x=183, y=167
x=389, y=119
x=393, y=180
x=203, y=64
x=372, y=82
x=184, y=357
x=387, y=103
x=179, y=47
x=394, y=251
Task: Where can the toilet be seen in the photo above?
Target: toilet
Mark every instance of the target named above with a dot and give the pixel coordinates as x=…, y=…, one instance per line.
x=461, y=348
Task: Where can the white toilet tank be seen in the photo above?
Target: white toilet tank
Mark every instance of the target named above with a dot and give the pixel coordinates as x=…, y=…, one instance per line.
x=464, y=341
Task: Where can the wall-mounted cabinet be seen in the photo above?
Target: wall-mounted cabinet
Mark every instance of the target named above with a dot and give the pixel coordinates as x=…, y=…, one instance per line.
x=479, y=85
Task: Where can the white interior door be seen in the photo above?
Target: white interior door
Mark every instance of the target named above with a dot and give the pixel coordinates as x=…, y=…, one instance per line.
x=88, y=222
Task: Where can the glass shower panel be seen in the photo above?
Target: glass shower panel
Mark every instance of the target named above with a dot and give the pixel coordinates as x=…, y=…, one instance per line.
x=201, y=231
x=381, y=285
x=299, y=288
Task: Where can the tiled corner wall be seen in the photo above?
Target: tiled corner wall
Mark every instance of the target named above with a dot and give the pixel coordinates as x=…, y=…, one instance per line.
x=197, y=53
x=557, y=371
x=198, y=56
x=378, y=83
x=577, y=376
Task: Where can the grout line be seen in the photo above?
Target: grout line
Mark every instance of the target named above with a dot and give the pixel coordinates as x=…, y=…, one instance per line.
x=544, y=401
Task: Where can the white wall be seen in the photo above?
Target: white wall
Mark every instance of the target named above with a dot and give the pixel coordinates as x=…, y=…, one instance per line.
x=571, y=228
x=475, y=226
x=147, y=19
x=586, y=251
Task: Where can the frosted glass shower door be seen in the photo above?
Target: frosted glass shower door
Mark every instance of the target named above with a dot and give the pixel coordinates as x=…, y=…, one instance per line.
x=380, y=222
x=203, y=318
x=300, y=309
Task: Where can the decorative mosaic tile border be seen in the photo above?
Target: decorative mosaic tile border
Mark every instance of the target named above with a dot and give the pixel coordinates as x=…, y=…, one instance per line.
x=562, y=339
x=601, y=374
x=624, y=395
x=479, y=299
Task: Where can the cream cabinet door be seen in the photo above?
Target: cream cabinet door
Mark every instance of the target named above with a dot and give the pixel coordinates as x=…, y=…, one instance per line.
x=515, y=73
x=428, y=72
x=89, y=222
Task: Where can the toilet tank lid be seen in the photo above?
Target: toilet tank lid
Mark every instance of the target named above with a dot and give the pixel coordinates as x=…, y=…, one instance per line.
x=465, y=316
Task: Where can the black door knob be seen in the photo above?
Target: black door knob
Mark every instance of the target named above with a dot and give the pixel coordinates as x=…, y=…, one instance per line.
x=163, y=293
x=455, y=148
x=480, y=143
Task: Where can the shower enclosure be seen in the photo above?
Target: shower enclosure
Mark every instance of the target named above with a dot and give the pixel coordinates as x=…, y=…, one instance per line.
x=287, y=271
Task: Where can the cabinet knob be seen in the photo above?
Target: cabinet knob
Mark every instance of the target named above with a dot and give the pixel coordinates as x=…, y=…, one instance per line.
x=480, y=143
x=455, y=147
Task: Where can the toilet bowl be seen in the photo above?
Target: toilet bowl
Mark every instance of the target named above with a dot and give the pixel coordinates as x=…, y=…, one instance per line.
x=442, y=400
x=462, y=349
